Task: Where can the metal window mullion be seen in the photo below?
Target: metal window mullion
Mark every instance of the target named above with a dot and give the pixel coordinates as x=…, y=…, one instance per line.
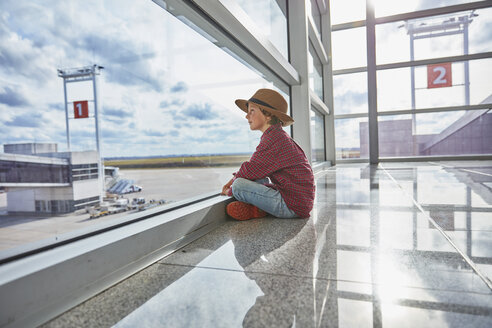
x=315, y=39
x=348, y=25
x=354, y=115
x=372, y=84
x=415, y=14
x=328, y=86
x=434, y=110
x=434, y=12
x=300, y=99
x=317, y=103
x=350, y=70
x=422, y=62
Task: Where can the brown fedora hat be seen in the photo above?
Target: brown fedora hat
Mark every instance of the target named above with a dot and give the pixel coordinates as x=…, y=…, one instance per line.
x=270, y=101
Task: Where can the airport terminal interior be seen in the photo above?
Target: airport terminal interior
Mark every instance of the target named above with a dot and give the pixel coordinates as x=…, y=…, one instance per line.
x=120, y=129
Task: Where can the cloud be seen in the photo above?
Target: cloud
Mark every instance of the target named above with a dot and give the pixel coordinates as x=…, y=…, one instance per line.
x=12, y=97
x=174, y=102
x=18, y=55
x=106, y=133
x=119, y=113
x=178, y=102
x=350, y=101
x=182, y=125
x=154, y=133
x=202, y=112
x=126, y=68
x=28, y=120
x=57, y=106
x=179, y=87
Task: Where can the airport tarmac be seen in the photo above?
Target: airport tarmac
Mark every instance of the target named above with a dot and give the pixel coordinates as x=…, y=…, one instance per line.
x=158, y=184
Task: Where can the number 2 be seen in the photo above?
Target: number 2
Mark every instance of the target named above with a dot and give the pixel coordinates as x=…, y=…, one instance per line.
x=442, y=73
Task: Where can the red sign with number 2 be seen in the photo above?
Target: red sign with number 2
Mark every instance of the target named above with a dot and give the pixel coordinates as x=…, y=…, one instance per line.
x=81, y=109
x=439, y=75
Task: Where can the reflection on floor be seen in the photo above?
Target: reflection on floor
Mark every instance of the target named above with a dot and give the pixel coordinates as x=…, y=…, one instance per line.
x=394, y=245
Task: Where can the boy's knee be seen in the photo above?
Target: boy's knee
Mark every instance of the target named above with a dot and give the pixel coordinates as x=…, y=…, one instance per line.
x=239, y=183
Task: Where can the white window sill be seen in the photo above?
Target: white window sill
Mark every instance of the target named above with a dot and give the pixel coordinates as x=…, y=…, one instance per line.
x=38, y=287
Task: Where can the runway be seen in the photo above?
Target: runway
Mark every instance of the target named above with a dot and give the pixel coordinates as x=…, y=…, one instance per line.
x=167, y=184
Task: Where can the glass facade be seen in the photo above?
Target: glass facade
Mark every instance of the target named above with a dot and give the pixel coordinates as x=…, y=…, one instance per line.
x=168, y=123
x=350, y=93
x=344, y=11
x=315, y=69
x=166, y=88
x=318, y=149
x=271, y=18
x=351, y=136
x=349, y=48
x=395, y=89
x=435, y=86
x=316, y=15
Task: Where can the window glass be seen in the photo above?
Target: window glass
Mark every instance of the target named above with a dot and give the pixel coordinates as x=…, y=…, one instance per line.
x=395, y=91
x=169, y=128
x=342, y=11
x=390, y=7
x=317, y=136
x=350, y=93
x=349, y=48
x=315, y=69
x=439, y=36
x=271, y=18
x=435, y=134
x=351, y=138
x=315, y=14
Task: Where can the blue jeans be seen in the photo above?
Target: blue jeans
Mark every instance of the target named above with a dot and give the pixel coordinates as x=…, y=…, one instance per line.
x=261, y=196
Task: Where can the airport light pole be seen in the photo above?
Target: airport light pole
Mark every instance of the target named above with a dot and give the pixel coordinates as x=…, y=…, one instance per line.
x=81, y=74
x=423, y=28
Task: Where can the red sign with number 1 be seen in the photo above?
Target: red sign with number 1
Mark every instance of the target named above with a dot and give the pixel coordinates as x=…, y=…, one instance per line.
x=81, y=109
x=439, y=75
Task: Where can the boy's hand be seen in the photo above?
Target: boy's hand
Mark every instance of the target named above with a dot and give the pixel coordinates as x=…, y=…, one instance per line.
x=227, y=187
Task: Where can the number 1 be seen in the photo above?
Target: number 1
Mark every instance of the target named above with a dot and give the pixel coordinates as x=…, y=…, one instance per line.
x=79, y=107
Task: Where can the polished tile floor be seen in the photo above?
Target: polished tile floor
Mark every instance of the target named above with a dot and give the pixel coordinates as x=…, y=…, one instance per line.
x=394, y=245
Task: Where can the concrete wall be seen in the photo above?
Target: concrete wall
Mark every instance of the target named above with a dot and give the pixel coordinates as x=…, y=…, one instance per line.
x=53, y=193
x=395, y=138
x=30, y=148
x=474, y=138
x=84, y=157
x=86, y=189
x=20, y=200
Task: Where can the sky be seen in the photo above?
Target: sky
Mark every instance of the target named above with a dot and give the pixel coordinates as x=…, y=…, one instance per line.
x=164, y=89
x=167, y=90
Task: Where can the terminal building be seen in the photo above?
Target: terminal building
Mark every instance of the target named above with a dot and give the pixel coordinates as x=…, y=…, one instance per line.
x=39, y=179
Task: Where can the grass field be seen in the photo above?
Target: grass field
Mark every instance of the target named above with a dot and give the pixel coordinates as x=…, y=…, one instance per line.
x=184, y=161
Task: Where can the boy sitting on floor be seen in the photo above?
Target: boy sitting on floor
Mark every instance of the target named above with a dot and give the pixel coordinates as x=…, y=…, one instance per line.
x=278, y=178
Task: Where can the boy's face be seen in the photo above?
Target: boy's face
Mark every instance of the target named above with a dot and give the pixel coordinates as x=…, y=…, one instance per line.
x=256, y=119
